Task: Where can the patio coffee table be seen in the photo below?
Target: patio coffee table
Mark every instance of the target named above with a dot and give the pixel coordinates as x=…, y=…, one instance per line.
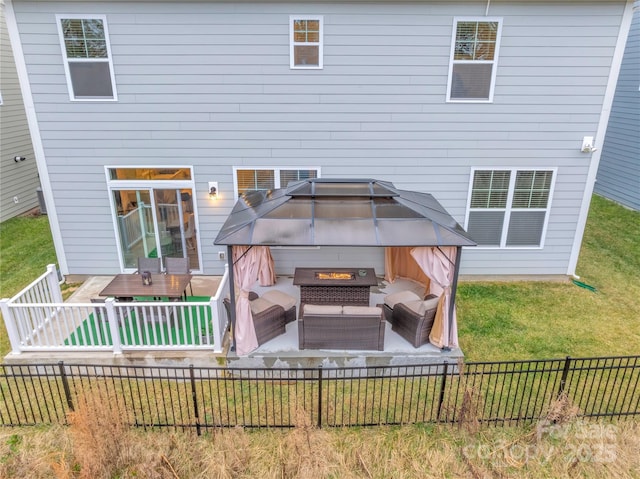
x=126, y=286
x=335, y=285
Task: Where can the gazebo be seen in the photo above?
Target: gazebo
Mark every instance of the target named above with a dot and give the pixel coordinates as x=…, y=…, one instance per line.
x=413, y=227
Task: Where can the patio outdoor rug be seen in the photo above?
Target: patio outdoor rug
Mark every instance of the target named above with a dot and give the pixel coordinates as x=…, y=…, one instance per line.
x=93, y=331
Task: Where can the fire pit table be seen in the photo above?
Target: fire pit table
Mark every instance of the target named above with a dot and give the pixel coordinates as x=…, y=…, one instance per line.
x=349, y=286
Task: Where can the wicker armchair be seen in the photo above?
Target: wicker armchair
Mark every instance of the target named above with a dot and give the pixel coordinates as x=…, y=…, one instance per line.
x=414, y=320
x=268, y=318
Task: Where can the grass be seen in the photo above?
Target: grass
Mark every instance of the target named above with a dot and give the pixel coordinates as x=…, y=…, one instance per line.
x=26, y=248
x=507, y=321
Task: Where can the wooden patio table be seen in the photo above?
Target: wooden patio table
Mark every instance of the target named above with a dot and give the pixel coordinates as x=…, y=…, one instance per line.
x=126, y=286
x=316, y=287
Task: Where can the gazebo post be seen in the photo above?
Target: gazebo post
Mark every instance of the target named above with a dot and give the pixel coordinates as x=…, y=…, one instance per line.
x=454, y=288
x=232, y=297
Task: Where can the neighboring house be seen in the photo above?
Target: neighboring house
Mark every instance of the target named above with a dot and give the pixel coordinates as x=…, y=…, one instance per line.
x=19, y=180
x=619, y=172
x=140, y=108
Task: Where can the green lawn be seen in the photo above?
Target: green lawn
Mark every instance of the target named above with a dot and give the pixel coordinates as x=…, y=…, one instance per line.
x=505, y=321
x=497, y=321
x=26, y=248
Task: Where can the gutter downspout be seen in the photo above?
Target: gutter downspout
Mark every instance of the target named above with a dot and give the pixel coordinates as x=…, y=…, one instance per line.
x=34, y=130
x=607, y=103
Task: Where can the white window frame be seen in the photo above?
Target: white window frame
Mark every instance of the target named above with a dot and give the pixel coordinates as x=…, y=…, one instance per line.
x=494, y=62
x=67, y=71
x=276, y=176
x=293, y=44
x=508, y=209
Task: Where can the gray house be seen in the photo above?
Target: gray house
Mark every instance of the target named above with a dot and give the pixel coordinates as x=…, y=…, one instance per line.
x=619, y=172
x=18, y=169
x=153, y=117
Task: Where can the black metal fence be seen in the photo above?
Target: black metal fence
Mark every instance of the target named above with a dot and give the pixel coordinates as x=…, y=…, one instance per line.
x=203, y=398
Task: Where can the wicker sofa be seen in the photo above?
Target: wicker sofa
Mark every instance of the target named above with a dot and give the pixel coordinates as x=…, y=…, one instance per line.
x=341, y=327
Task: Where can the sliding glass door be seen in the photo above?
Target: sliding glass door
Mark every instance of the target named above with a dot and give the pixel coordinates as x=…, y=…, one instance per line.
x=153, y=220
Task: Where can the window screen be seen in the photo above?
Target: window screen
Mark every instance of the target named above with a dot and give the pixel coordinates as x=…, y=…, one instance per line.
x=473, y=58
x=88, y=63
x=306, y=42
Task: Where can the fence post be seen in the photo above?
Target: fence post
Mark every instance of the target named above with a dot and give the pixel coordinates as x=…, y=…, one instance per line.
x=52, y=281
x=320, y=397
x=443, y=385
x=10, y=323
x=195, y=400
x=113, y=325
x=216, y=324
x=65, y=385
x=565, y=373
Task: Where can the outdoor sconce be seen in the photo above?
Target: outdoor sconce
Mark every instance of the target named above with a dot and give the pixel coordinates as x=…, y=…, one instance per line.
x=18, y=158
x=587, y=145
x=213, y=190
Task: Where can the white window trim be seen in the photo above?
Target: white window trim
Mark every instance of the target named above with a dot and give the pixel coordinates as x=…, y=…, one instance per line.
x=508, y=209
x=494, y=61
x=72, y=97
x=292, y=44
x=276, y=175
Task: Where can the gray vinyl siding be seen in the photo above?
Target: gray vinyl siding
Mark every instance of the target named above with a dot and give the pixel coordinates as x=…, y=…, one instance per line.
x=619, y=170
x=208, y=84
x=16, y=179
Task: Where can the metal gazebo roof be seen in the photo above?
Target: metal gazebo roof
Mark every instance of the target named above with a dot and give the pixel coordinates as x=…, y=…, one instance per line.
x=340, y=212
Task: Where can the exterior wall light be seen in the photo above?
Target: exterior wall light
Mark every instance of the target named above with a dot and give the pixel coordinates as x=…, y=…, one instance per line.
x=213, y=190
x=587, y=145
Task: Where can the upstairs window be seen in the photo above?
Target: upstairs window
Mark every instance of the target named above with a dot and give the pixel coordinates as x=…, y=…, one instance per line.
x=509, y=208
x=305, y=42
x=85, y=45
x=474, y=54
x=268, y=179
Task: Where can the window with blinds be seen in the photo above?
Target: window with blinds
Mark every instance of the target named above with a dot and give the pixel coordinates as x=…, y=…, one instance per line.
x=305, y=42
x=509, y=208
x=86, y=50
x=474, y=53
x=268, y=179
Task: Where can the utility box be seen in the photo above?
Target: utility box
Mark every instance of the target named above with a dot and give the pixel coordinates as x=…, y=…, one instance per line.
x=41, y=203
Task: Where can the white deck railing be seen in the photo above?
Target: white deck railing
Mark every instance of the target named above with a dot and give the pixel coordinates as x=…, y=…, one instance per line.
x=38, y=320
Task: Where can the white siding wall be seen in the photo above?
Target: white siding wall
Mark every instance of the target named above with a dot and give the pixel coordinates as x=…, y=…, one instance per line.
x=209, y=84
x=16, y=179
